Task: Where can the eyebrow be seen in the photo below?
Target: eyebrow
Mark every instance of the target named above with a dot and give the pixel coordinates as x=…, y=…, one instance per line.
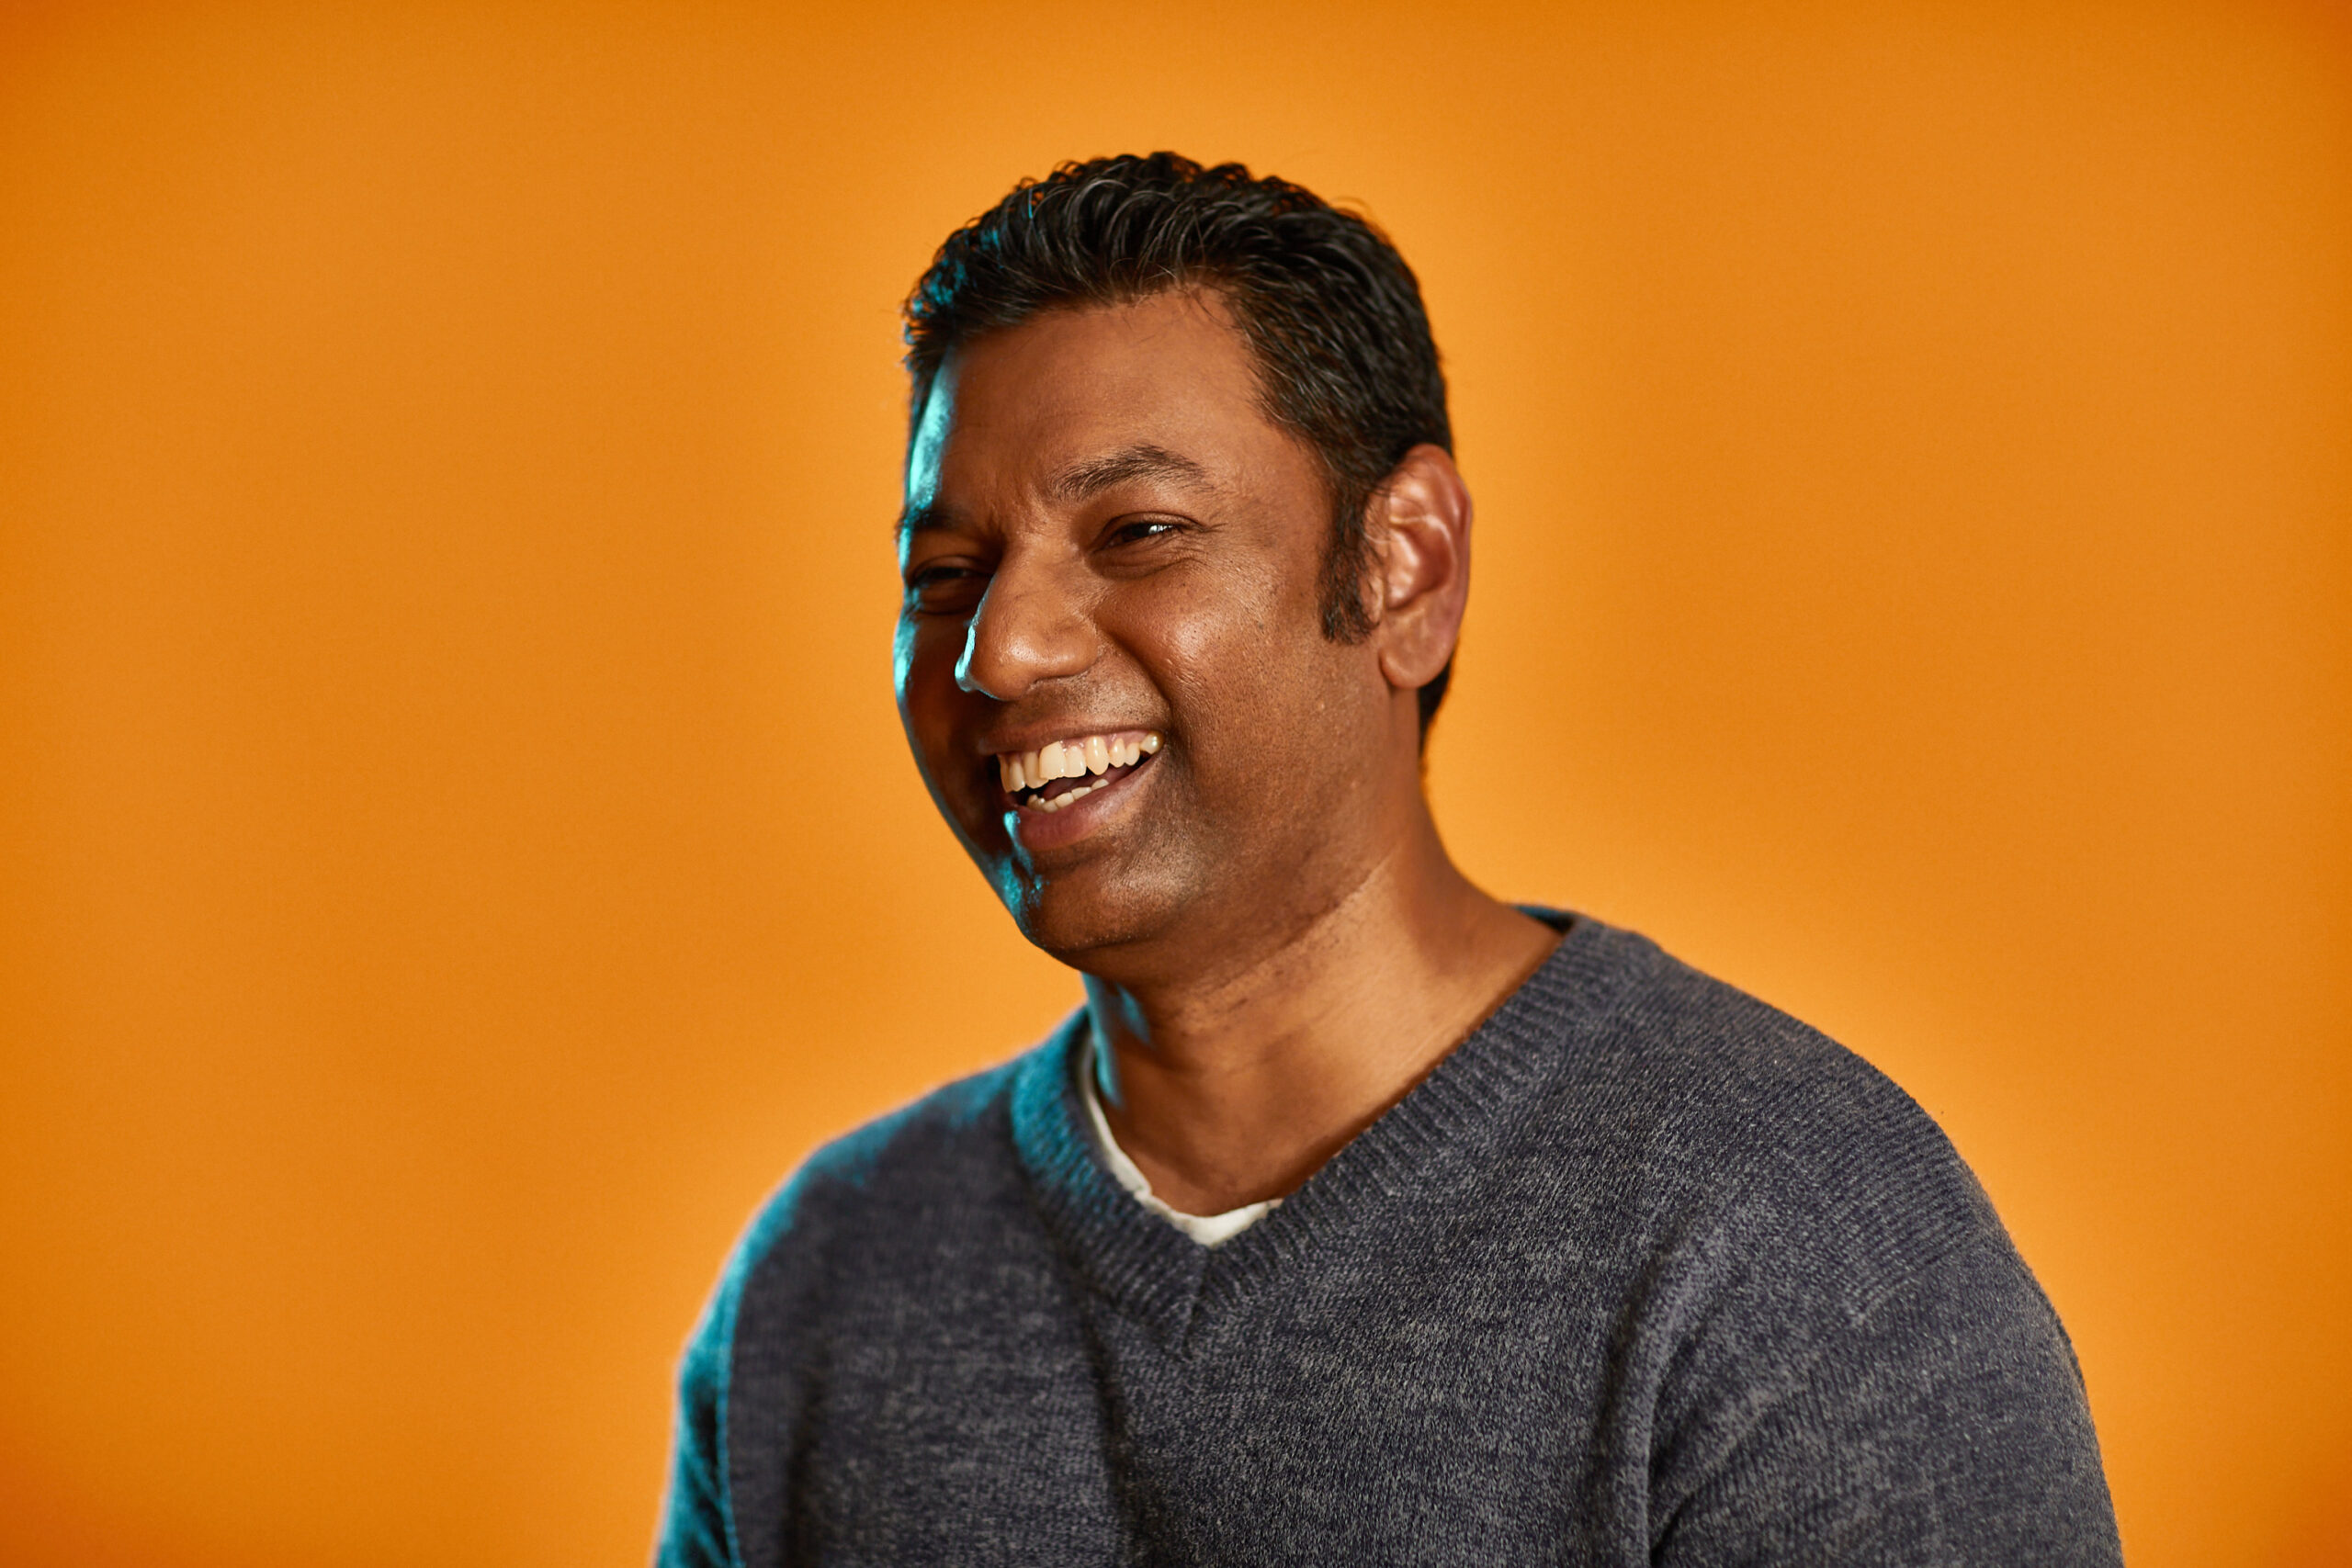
x=1089, y=478
x=917, y=519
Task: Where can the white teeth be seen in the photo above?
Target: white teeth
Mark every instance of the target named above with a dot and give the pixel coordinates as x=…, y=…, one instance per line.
x=1019, y=772
x=1070, y=797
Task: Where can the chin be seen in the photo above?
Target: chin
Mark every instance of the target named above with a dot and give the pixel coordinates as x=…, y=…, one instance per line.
x=1078, y=920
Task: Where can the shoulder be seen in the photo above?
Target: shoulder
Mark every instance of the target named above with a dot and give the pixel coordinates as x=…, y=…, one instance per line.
x=1728, y=1058
x=949, y=1149
x=1840, y=1340
x=854, y=1218
x=1747, y=1134
x=858, y=1201
x=849, y=1214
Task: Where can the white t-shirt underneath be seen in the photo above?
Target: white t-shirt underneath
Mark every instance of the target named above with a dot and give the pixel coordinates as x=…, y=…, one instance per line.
x=1206, y=1229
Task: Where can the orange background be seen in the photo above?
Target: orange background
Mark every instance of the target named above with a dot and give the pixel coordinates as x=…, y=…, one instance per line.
x=458, y=851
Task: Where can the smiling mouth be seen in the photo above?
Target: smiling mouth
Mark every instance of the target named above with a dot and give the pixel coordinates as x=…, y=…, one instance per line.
x=1063, y=772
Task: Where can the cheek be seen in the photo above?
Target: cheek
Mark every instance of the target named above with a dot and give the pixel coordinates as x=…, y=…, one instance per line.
x=902, y=659
x=1247, y=668
x=922, y=657
x=1205, y=621
x=924, y=670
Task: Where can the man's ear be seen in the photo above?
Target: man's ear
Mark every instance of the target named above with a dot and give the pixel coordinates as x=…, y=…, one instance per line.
x=1420, y=544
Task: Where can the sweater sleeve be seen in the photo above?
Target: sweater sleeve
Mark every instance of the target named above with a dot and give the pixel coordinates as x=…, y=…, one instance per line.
x=1947, y=1426
x=696, y=1530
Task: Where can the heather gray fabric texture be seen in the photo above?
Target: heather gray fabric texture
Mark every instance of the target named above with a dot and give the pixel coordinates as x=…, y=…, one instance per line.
x=1643, y=1272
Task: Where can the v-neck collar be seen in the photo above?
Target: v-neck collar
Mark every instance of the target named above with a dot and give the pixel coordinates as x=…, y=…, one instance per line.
x=1155, y=1273
x=1205, y=1230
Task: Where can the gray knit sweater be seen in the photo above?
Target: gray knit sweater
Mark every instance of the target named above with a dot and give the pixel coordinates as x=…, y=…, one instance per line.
x=1644, y=1271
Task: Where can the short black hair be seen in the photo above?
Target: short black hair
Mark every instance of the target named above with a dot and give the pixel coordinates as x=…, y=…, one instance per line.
x=1331, y=312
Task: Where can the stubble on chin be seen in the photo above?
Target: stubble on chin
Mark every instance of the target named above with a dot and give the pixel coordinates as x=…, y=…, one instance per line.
x=1176, y=903
x=1114, y=904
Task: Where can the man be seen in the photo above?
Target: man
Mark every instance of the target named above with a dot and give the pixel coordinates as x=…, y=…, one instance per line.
x=1358, y=1217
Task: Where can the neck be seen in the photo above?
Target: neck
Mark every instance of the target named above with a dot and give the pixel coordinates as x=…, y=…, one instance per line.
x=1234, y=1084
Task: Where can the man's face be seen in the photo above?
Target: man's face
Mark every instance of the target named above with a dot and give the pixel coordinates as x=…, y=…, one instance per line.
x=1106, y=536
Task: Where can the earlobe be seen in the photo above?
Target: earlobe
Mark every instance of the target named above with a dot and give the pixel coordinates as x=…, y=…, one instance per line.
x=1422, y=533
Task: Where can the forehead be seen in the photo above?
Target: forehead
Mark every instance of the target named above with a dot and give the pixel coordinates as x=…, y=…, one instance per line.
x=1016, y=407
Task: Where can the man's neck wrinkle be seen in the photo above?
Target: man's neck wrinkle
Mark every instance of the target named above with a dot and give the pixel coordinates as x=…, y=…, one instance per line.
x=1209, y=1022
x=1229, y=1092
x=1213, y=988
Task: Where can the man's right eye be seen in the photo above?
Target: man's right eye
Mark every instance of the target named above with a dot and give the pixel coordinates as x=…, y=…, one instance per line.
x=945, y=587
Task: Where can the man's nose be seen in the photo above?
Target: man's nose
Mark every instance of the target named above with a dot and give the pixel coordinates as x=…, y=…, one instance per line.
x=1029, y=628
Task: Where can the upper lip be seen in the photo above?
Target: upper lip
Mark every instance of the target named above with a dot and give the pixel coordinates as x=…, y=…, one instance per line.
x=1037, y=738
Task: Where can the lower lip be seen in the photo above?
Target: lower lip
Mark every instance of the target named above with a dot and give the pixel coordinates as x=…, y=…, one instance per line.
x=1033, y=830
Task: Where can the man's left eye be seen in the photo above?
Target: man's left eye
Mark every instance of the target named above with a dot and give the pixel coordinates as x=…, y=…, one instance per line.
x=1142, y=528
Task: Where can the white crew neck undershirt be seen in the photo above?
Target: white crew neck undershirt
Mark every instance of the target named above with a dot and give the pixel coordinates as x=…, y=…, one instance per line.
x=1209, y=1230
